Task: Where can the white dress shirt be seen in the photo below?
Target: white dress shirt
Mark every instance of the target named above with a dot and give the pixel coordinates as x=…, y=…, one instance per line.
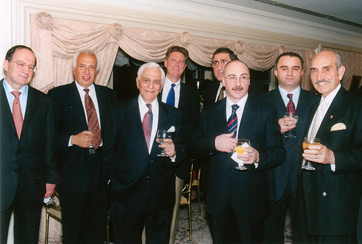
x=284, y=93
x=23, y=98
x=166, y=90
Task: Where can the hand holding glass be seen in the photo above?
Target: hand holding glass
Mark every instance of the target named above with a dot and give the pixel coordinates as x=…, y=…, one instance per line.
x=161, y=136
x=306, y=143
x=239, y=149
x=295, y=117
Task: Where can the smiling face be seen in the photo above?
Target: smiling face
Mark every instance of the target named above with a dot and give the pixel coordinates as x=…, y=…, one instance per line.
x=19, y=75
x=86, y=69
x=150, y=84
x=218, y=64
x=289, y=72
x=175, y=64
x=325, y=74
x=236, y=80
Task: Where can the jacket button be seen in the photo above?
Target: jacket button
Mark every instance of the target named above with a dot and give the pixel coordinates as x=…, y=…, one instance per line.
x=324, y=194
x=147, y=179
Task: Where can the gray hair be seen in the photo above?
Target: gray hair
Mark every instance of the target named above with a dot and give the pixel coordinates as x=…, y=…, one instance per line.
x=338, y=60
x=86, y=52
x=151, y=65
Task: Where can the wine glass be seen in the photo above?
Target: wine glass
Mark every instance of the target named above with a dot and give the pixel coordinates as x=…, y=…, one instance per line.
x=239, y=149
x=161, y=136
x=295, y=117
x=306, y=142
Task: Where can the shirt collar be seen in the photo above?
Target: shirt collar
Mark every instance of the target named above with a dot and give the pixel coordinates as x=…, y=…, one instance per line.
x=9, y=89
x=329, y=99
x=241, y=102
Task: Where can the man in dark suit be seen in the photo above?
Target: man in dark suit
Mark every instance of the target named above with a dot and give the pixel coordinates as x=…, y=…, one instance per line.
x=236, y=198
x=187, y=99
x=142, y=184
x=81, y=109
x=220, y=58
x=332, y=191
x=283, y=178
x=28, y=163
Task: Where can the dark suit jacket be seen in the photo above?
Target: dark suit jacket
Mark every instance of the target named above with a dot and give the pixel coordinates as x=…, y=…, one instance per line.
x=137, y=177
x=283, y=178
x=27, y=164
x=247, y=190
x=332, y=198
x=210, y=91
x=76, y=172
x=189, y=104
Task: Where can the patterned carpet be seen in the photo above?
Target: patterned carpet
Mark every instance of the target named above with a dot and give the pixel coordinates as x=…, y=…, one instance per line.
x=200, y=229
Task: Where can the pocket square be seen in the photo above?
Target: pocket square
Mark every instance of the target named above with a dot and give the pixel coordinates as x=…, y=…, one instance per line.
x=172, y=129
x=338, y=126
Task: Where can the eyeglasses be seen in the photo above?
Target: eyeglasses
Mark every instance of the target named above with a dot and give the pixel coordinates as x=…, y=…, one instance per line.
x=234, y=78
x=22, y=65
x=217, y=62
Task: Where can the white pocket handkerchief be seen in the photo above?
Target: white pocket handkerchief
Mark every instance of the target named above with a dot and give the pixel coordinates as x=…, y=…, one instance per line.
x=172, y=129
x=338, y=126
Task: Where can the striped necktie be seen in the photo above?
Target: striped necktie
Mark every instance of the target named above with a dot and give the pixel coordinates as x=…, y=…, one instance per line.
x=233, y=120
x=93, y=125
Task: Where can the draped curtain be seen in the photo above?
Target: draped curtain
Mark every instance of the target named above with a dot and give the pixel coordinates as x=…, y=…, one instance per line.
x=56, y=40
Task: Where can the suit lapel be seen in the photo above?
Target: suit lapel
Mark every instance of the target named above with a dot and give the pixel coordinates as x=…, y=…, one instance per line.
x=102, y=103
x=181, y=101
x=31, y=107
x=134, y=120
x=221, y=124
x=5, y=108
x=76, y=102
x=246, y=119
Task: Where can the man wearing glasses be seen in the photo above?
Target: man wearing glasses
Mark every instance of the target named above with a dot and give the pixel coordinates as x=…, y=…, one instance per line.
x=28, y=163
x=214, y=90
x=237, y=201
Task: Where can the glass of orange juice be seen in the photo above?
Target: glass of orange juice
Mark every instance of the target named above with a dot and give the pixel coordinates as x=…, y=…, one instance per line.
x=239, y=149
x=306, y=143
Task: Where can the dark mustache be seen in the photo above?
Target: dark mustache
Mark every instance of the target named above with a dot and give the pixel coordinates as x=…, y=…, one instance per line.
x=323, y=80
x=238, y=88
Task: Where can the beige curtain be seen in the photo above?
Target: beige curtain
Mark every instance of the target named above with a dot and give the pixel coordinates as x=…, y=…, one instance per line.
x=56, y=40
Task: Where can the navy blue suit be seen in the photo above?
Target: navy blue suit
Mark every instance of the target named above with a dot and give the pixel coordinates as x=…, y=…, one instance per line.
x=26, y=165
x=142, y=185
x=245, y=192
x=283, y=178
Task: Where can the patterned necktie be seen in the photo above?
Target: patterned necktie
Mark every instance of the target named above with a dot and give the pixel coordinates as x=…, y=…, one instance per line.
x=171, y=96
x=233, y=120
x=147, y=124
x=93, y=125
x=221, y=94
x=290, y=105
x=17, y=115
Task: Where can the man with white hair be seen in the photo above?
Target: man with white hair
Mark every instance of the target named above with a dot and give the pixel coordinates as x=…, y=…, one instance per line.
x=142, y=183
x=81, y=109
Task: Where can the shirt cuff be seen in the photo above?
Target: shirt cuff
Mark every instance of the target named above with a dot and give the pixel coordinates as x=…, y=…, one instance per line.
x=333, y=167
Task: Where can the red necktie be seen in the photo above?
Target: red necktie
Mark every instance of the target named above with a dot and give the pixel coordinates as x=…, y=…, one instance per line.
x=17, y=115
x=93, y=125
x=147, y=124
x=290, y=105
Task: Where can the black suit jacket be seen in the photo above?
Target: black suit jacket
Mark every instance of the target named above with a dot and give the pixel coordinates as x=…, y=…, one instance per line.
x=209, y=92
x=27, y=164
x=76, y=172
x=248, y=190
x=137, y=177
x=283, y=178
x=332, y=198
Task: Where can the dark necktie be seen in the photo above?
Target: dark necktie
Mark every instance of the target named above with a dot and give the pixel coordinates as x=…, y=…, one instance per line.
x=147, y=124
x=290, y=105
x=221, y=94
x=17, y=115
x=93, y=125
x=171, y=96
x=233, y=120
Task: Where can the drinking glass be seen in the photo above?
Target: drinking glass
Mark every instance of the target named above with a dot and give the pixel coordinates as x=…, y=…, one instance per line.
x=306, y=142
x=239, y=149
x=295, y=117
x=161, y=136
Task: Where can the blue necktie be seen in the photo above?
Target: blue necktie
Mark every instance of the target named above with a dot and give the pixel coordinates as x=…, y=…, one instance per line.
x=171, y=96
x=233, y=120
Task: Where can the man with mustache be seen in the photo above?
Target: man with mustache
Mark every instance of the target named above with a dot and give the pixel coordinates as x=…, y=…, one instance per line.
x=238, y=201
x=332, y=191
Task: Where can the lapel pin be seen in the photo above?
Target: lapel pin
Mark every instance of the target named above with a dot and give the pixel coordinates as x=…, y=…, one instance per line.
x=331, y=116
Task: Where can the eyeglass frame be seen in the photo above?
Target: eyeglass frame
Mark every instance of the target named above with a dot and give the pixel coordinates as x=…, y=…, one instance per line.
x=233, y=78
x=21, y=65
